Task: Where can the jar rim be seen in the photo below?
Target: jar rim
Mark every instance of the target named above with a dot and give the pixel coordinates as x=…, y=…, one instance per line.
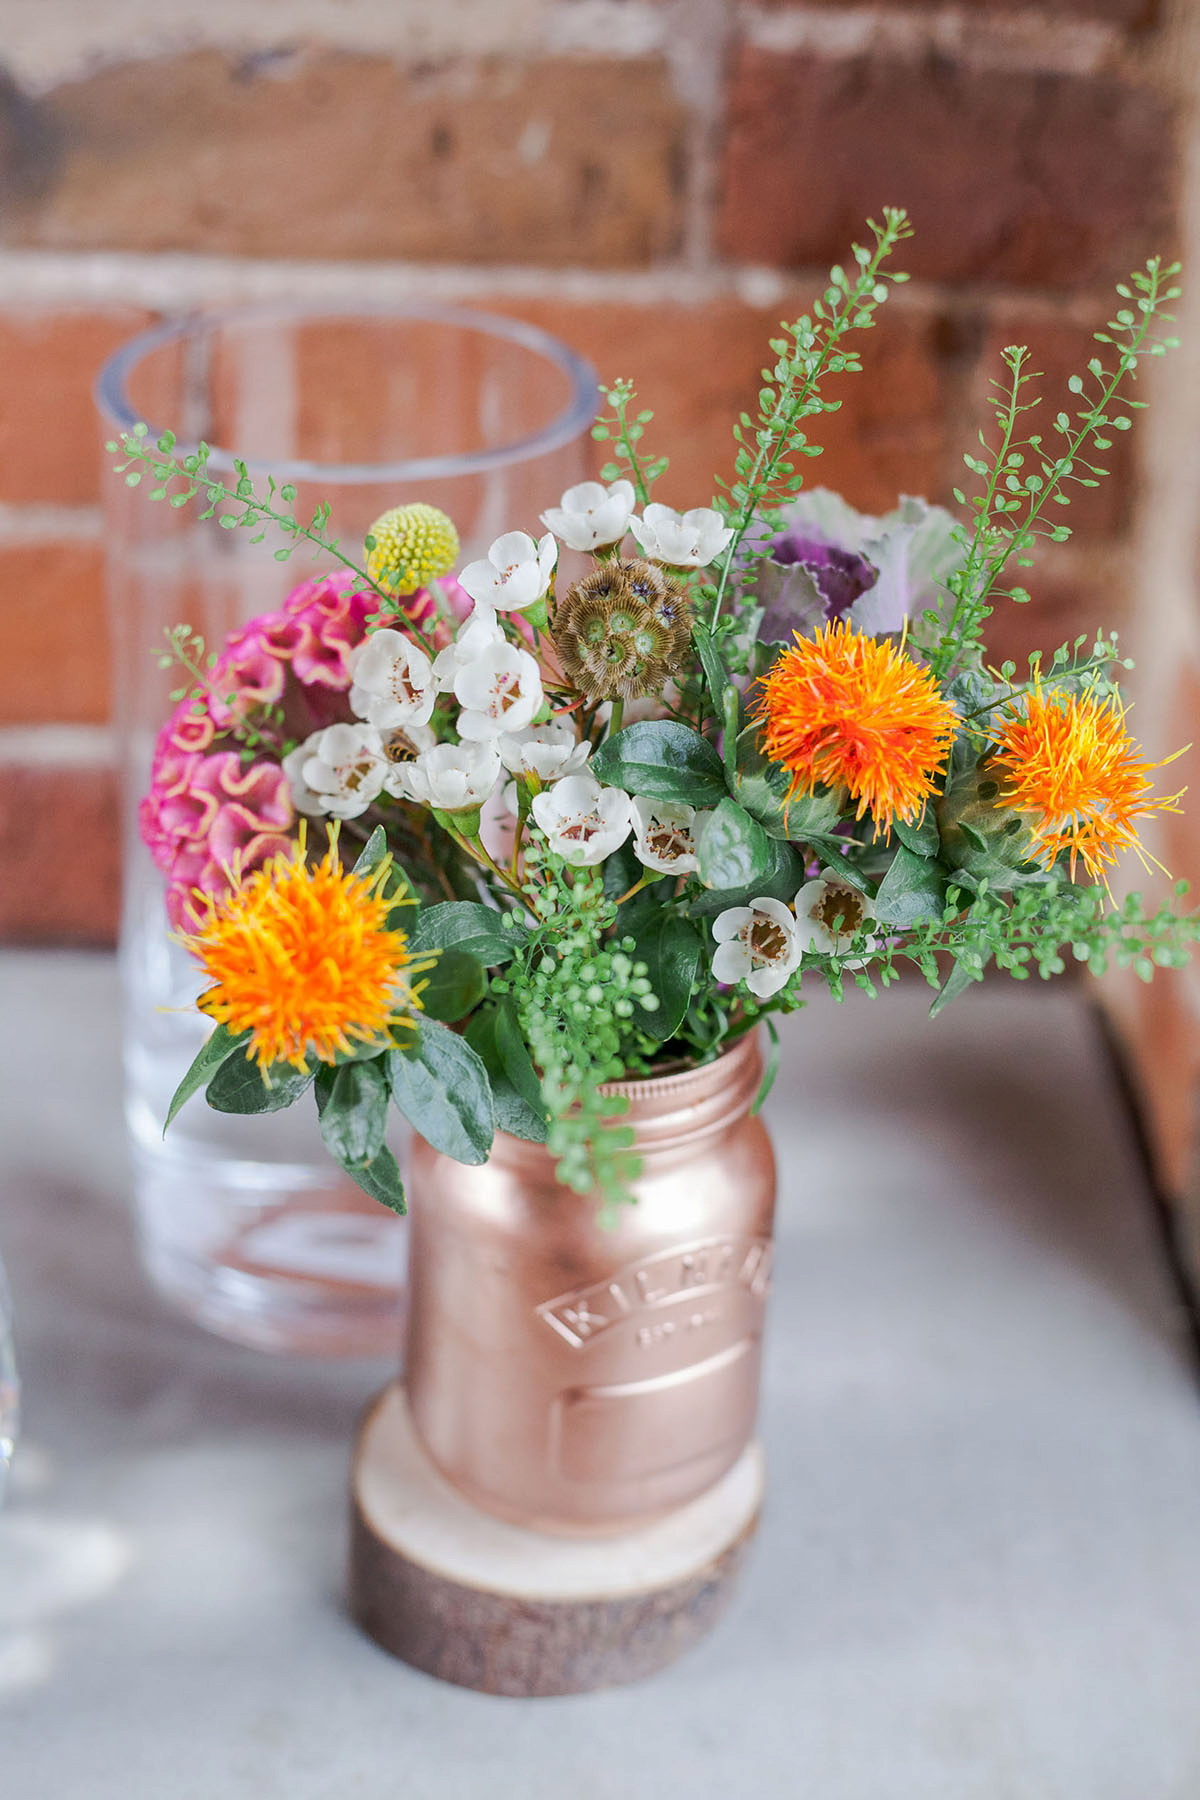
x=111, y=396
x=668, y=1087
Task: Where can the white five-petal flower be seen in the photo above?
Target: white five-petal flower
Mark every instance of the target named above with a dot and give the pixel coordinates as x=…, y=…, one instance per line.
x=452, y=777
x=499, y=691
x=549, y=751
x=829, y=913
x=583, y=821
x=515, y=573
x=591, y=516
x=685, y=540
x=338, y=772
x=392, y=681
x=476, y=634
x=757, y=944
x=665, y=833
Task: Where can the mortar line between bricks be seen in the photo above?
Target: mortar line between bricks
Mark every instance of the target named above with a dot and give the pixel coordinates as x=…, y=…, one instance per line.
x=54, y=746
x=1024, y=39
x=174, y=282
x=38, y=522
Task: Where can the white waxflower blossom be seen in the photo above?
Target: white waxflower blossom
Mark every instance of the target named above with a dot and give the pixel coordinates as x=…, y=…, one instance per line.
x=685, y=540
x=583, y=821
x=478, y=633
x=821, y=904
x=499, y=691
x=392, y=681
x=452, y=777
x=549, y=751
x=757, y=944
x=515, y=573
x=338, y=772
x=402, y=746
x=665, y=834
x=592, y=516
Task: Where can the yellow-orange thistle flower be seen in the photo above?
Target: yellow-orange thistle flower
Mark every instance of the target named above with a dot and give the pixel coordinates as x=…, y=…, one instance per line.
x=843, y=709
x=302, y=957
x=1067, y=762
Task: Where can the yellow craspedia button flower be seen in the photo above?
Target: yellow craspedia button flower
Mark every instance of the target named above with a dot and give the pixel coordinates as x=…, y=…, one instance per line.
x=412, y=545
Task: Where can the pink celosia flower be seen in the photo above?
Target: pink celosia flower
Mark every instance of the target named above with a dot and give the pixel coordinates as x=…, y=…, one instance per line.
x=209, y=815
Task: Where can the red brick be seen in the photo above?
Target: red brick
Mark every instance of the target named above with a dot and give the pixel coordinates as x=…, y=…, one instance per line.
x=1042, y=179
x=49, y=435
x=52, y=625
x=699, y=366
x=322, y=153
x=1071, y=596
x=60, y=853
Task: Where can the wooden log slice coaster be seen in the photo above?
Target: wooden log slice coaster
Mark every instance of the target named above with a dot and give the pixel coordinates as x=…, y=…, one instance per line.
x=492, y=1606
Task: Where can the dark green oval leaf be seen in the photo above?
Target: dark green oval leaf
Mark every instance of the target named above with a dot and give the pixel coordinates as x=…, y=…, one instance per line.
x=662, y=760
x=516, y=1091
x=239, y=1087
x=216, y=1049
x=353, y=1103
x=914, y=889
x=455, y=984
x=468, y=926
x=442, y=1088
x=671, y=948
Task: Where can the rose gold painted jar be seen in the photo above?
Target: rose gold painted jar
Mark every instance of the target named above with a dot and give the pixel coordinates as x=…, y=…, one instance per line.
x=576, y=1375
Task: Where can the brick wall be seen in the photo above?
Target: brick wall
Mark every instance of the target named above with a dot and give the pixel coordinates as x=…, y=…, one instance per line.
x=658, y=181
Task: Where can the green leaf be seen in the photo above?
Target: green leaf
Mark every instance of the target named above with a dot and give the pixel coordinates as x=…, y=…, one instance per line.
x=922, y=838
x=217, y=1048
x=960, y=978
x=441, y=1086
x=914, y=889
x=381, y=1179
x=726, y=701
x=456, y=983
x=734, y=851
x=770, y=1068
x=762, y=787
x=352, y=1102
x=465, y=925
x=239, y=1087
x=372, y=853
x=495, y=1036
x=671, y=948
x=662, y=760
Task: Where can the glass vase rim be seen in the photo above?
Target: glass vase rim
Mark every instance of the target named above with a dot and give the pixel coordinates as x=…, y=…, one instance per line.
x=112, y=402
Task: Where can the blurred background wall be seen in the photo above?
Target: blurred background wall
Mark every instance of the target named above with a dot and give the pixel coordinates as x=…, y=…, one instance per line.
x=658, y=182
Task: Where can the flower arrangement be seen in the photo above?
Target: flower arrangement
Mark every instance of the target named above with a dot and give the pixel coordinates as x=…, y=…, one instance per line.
x=619, y=791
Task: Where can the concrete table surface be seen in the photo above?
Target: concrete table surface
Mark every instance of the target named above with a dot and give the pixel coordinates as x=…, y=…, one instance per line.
x=979, y=1573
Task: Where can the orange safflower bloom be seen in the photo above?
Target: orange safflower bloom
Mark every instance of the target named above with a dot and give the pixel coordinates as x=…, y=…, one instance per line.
x=303, y=959
x=1067, y=762
x=844, y=709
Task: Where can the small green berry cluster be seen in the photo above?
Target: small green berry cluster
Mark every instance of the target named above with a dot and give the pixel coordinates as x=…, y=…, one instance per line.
x=579, y=999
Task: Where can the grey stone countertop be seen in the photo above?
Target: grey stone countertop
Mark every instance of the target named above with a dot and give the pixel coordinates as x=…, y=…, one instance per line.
x=978, y=1576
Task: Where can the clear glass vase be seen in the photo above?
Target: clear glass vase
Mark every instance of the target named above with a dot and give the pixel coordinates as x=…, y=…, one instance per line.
x=10, y=1393
x=245, y=1223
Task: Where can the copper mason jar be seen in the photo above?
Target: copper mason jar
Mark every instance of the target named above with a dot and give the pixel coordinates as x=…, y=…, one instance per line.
x=575, y=1374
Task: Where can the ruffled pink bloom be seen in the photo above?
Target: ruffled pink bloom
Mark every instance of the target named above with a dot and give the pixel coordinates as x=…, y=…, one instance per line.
x=209, y=816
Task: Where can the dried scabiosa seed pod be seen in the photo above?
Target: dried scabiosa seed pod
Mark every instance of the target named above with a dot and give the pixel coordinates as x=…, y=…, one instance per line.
x=623, y=631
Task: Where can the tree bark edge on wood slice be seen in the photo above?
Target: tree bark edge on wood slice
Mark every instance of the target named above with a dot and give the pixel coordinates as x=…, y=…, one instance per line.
x=490, y=1606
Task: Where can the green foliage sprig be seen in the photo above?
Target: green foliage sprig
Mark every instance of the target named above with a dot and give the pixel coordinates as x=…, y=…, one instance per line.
x=809, y=350
x=1012, y=512
x=626, y=434
x=578, y=1000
